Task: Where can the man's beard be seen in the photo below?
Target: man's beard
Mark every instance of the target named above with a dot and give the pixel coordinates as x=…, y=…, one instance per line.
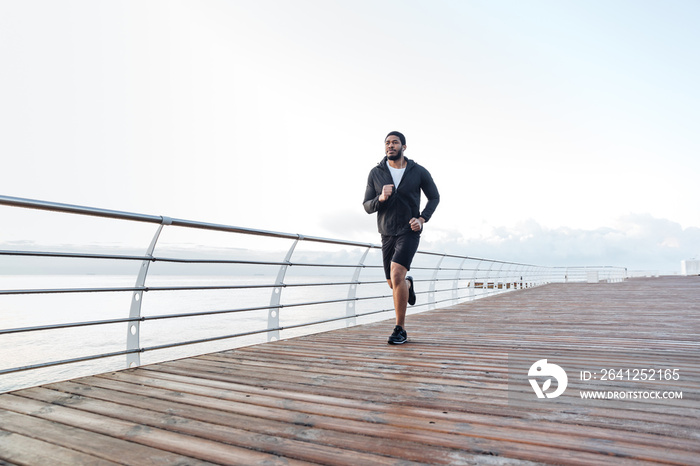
x=397, y=156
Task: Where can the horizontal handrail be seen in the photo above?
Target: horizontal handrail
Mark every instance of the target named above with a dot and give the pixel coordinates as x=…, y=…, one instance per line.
x=191, y=288
x=199, y=288
x=74, y=255
x=119, y=215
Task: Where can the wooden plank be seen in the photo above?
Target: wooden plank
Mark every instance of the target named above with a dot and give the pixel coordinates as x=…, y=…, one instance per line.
x=55, y=436
x=21, y=449
x=187, y=406
x=198, y=448
x=239, y=437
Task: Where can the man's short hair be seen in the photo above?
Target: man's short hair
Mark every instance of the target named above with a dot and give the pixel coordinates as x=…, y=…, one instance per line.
x=400, y=136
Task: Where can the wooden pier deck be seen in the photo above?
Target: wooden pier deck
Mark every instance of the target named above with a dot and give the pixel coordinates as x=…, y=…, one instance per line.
x=449, y=396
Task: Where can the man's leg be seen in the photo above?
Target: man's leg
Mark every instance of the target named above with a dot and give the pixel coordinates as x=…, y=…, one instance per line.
x=394, y=255
x=399, y=285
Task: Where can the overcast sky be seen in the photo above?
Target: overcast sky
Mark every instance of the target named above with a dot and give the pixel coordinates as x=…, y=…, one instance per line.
x=558, y=132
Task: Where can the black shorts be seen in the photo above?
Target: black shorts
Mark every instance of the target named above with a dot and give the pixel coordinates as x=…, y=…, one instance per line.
x=399, y=249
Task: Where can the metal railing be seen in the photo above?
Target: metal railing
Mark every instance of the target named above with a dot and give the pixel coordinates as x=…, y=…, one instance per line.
x=441, y=279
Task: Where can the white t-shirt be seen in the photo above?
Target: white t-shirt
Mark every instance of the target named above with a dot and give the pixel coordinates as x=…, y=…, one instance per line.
x=396, y=174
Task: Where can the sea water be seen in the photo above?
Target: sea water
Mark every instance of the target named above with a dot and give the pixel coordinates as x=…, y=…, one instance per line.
x=41, y=346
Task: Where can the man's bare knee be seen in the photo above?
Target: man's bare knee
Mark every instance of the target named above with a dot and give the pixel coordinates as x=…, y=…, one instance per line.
x=398, y=273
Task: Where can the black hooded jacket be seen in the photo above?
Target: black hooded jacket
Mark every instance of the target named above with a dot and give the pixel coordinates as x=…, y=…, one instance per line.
x=394, y=214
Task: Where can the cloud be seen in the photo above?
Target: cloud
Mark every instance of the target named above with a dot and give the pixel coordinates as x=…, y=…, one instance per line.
x=635, y=241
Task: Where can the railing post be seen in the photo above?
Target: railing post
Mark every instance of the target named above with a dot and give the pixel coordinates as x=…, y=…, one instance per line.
x=506, y=282
x=350, y=308
x=473, y=280
x=519, y=277
x=487, y=278
x=273, y=312
x=498, y=277
x=530, y=274
x=431, y=295
x=455, y=283
x=523, y=276
x=133, y=333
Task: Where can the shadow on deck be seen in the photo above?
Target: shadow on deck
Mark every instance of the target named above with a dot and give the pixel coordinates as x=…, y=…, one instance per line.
x=457, y=393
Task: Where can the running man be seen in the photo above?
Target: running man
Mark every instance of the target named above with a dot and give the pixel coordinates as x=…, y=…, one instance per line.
x=393, y=191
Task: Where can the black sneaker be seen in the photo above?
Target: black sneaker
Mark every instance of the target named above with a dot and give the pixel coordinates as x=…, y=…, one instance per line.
x=411, y=293
x=399, y=337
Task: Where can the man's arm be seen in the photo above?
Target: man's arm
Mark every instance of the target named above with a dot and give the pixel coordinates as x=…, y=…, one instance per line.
x=431, y=193
x=373, y=201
